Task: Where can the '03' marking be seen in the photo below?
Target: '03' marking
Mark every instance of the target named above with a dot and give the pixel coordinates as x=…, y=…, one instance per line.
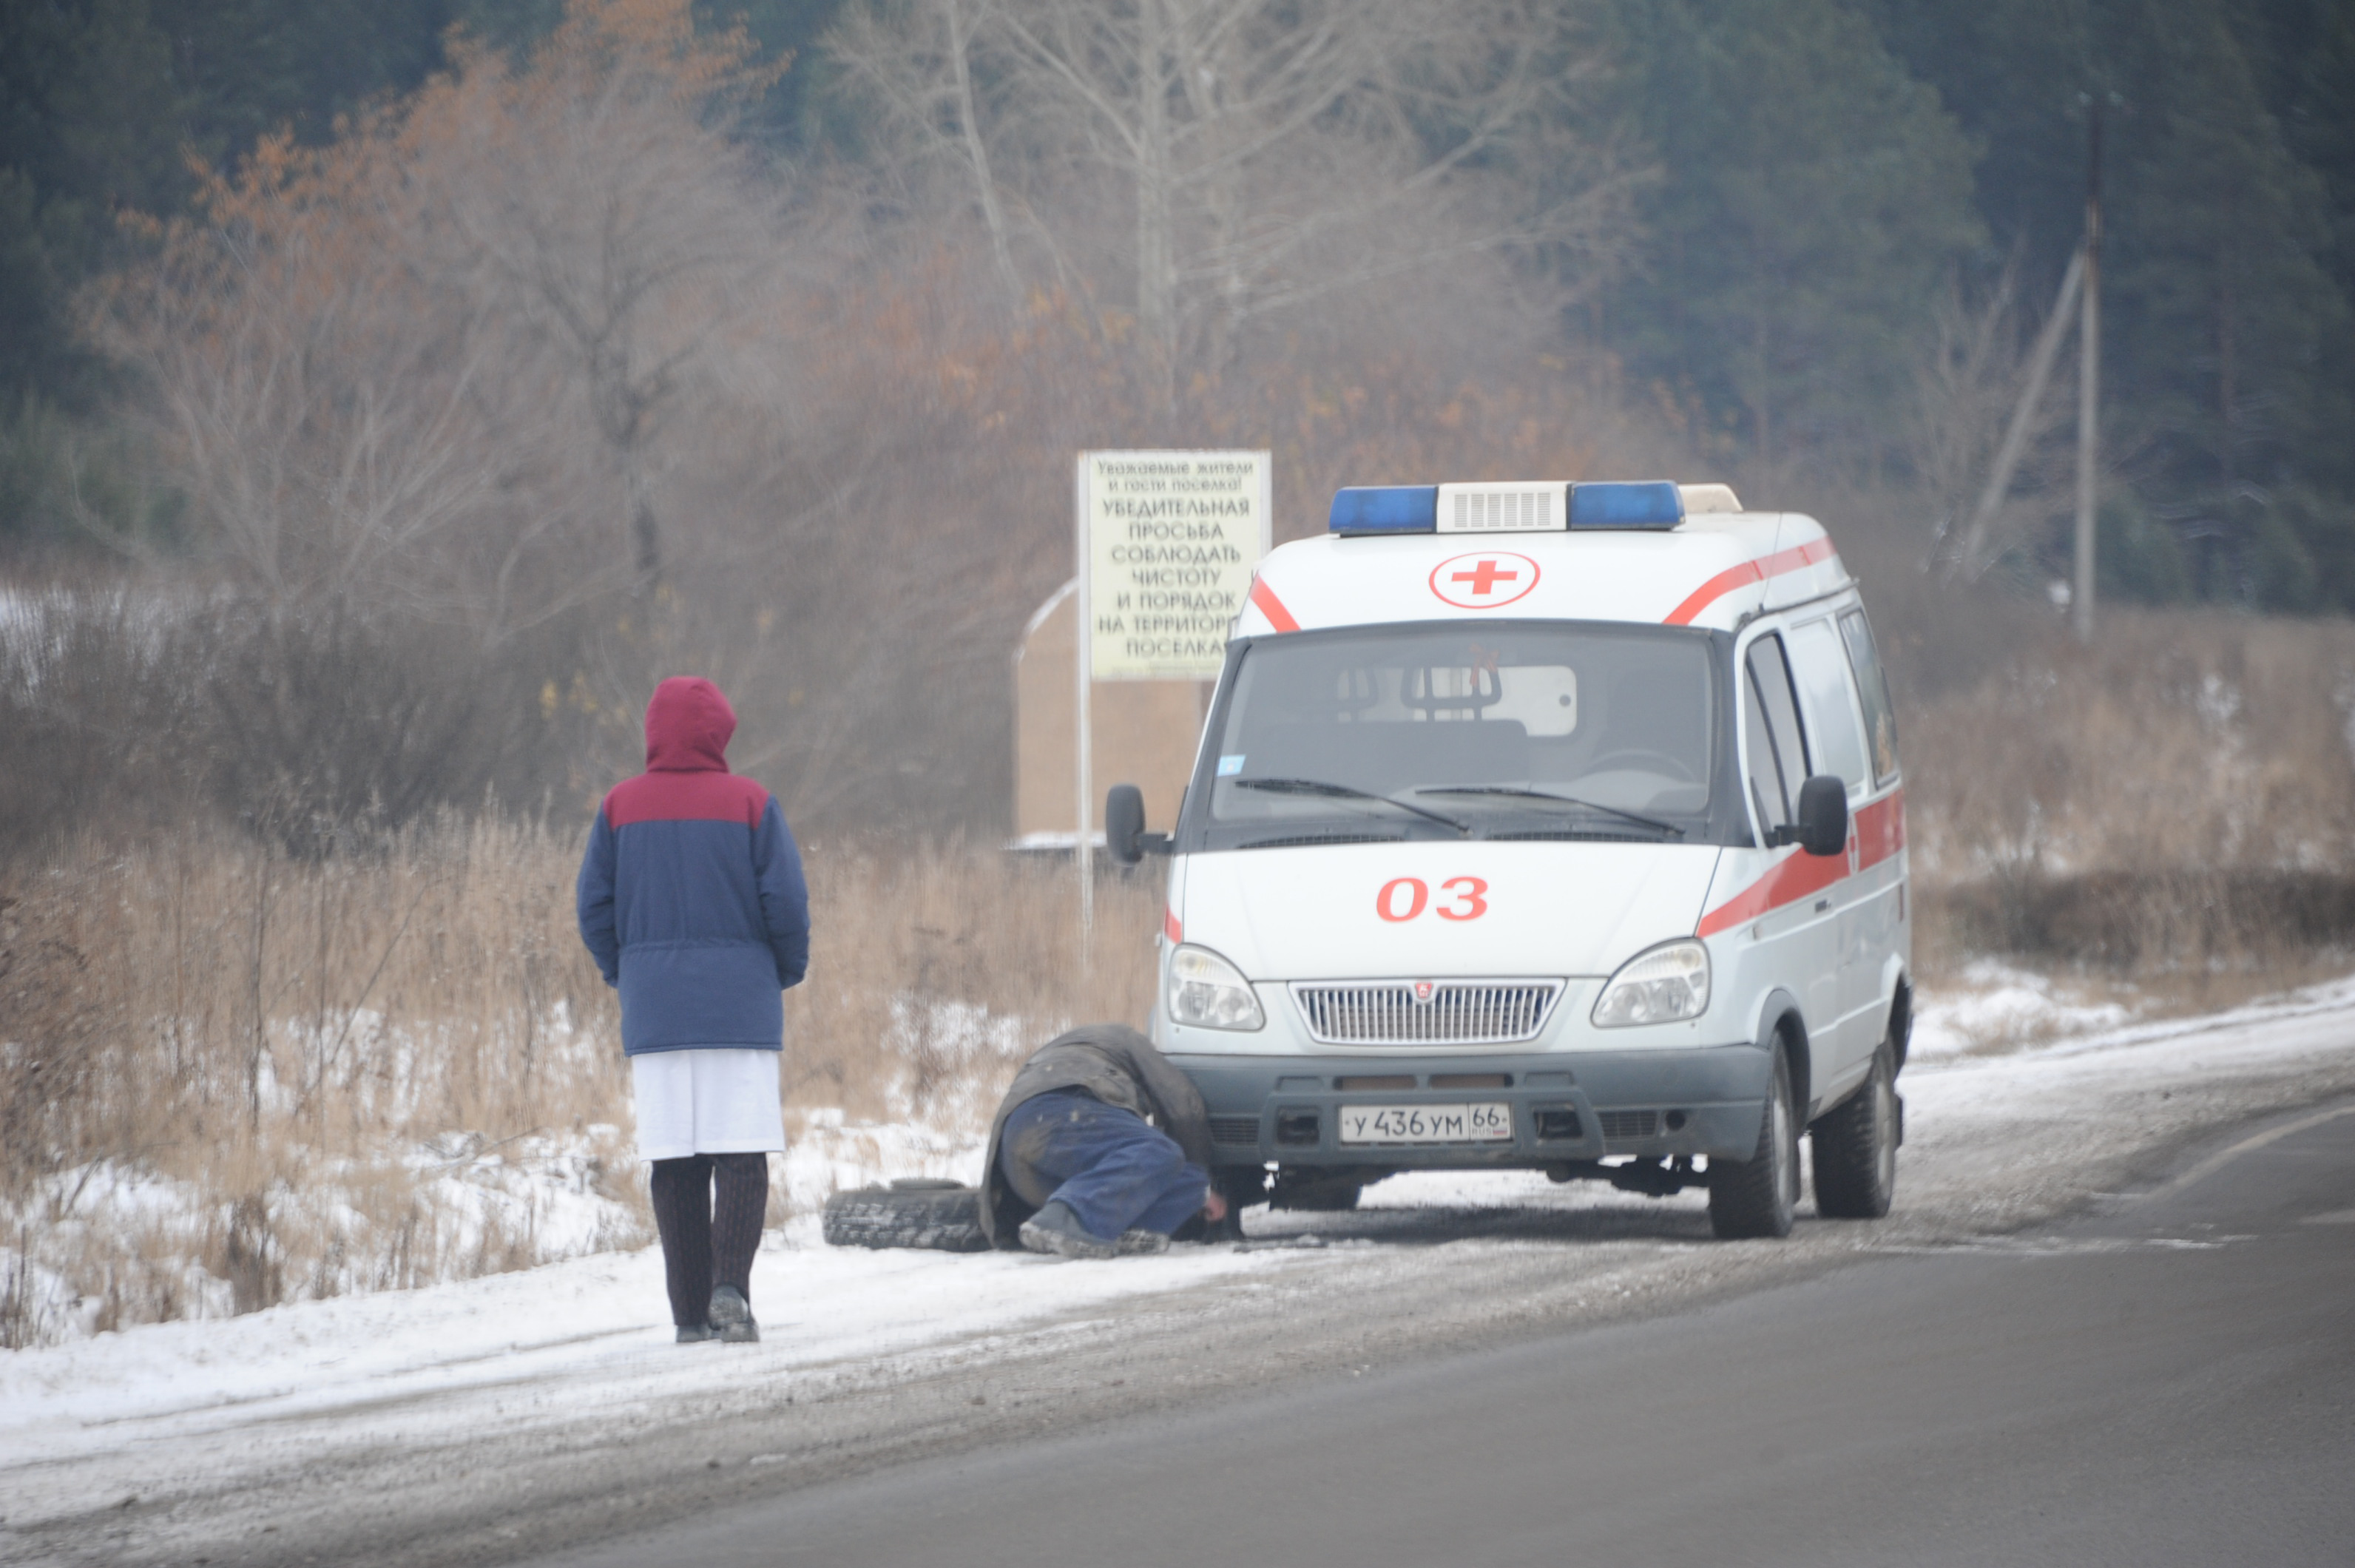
x=1403, y=897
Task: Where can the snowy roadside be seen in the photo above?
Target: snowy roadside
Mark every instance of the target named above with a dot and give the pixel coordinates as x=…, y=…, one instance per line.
x=2000, y=1009
x=594, y=1323
x=540, y=1382
x=594, y=1327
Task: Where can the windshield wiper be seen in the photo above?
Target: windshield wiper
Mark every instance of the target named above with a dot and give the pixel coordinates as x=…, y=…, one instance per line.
x=1345, y=792
x=1520, y=794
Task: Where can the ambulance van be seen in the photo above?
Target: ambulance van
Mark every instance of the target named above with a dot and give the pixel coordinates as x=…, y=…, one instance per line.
x=1552, y=826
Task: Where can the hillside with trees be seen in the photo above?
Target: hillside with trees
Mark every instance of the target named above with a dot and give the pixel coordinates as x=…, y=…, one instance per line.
x=454, y=364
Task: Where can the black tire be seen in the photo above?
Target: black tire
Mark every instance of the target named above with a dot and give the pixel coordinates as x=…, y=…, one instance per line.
x=1856, y=1147
x=939, y=1216
x=1760, y=1196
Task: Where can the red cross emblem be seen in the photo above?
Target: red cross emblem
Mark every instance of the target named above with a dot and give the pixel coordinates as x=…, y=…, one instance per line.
x=1484, y=581
x=1483, y=577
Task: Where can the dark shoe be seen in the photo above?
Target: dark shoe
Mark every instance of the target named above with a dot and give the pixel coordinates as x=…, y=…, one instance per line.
x=696, y=1333
x=1056, y=1230
x=1141, y=1243
x=731, y=1316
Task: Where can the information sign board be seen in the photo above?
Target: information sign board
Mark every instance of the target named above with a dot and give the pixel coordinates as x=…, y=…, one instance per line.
x=1170, y=541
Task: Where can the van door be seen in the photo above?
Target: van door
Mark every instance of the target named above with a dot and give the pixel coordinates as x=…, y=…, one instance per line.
x=1879, y=827
x=1798, y=940
x=1827, y=704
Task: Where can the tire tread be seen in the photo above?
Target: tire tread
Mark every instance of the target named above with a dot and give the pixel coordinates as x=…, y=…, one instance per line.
x=934, y=1219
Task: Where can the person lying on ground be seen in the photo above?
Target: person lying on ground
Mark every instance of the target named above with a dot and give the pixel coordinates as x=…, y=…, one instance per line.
x=692, y=902
x=1100, y=1148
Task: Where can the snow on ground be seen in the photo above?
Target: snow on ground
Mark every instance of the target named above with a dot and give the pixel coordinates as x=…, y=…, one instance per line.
x=1998, y=1008
x=451, y=1206
x=595, y=1327
x=599, y=1323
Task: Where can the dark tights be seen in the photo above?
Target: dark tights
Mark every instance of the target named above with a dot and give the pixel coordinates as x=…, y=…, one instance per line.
x=708, y=1236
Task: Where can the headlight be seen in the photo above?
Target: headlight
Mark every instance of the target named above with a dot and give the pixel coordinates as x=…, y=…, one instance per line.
x=1208, y=992
x=1661, y=987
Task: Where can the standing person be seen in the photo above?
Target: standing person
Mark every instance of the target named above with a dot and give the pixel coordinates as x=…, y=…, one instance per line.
x=692, y=902
x=1100, y=1148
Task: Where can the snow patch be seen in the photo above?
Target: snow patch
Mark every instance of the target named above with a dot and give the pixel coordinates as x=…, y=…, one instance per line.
x=1998, y=1008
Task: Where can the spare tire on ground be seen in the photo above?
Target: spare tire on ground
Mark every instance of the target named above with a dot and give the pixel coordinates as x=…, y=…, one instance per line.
x=914, y=1212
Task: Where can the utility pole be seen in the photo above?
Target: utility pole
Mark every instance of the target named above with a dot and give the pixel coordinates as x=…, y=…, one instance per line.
x=2089, y=378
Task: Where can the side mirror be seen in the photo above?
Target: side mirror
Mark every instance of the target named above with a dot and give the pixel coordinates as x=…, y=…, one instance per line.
x=1125, y=835
x=1823, y=816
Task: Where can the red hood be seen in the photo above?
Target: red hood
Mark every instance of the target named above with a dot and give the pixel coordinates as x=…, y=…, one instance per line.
x=687, y=727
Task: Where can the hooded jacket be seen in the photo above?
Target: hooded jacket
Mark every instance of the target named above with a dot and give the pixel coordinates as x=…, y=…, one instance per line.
x=691, y=898
x=1118, y=1066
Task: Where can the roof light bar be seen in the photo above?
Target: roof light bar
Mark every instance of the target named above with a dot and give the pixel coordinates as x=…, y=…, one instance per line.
x=1386, y=509
x=1536, y=508
x=1649, y=505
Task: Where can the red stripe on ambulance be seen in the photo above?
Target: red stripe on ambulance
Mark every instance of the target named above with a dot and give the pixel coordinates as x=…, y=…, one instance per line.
x=1272, y=607
x=1743, y=576
x=1878, y=833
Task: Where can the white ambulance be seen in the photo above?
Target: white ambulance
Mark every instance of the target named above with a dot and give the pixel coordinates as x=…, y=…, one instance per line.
x=1545, y=825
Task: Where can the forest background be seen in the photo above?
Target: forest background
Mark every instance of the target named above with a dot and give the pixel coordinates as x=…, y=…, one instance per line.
x=457, y=368
x=392, y=391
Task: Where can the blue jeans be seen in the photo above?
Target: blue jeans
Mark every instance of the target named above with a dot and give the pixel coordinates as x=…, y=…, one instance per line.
x=1113, y=1168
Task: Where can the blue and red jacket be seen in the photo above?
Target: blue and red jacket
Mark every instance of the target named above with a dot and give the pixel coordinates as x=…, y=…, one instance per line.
x=691, y=895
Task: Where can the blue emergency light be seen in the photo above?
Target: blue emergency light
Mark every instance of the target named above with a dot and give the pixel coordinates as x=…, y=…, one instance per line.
x=1657, y=503
x=1386, y=509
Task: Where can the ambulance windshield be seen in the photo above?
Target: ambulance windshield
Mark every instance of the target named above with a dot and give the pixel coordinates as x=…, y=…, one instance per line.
x=1518, y=730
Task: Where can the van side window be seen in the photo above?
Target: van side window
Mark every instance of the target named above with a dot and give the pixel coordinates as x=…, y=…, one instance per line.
x=1879, y=716
x=1778, y=762
x=1819, y=671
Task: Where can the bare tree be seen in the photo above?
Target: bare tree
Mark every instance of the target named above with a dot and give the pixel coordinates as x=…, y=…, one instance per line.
x=334, y=416
x=604, y=203
x=1270, y=153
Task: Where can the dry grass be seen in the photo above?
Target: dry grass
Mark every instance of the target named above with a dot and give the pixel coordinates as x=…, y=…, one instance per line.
x=370, y=1071
x=230, y=1076
x=2175, y=803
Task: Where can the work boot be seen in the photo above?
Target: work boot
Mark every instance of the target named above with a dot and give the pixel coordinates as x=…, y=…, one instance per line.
x=696, y=1333
x=1057, y=1230
x=731, y=1318
x=1141, y=1243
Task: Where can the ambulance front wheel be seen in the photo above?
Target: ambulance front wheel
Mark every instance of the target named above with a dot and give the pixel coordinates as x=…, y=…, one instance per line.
x=1760, y=1196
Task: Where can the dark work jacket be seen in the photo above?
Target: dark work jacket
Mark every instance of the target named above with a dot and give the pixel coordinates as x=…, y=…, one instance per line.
x=1116, y=1065
x=691, y=898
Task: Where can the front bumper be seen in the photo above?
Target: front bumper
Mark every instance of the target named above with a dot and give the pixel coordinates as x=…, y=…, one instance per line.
x=1567, y=1105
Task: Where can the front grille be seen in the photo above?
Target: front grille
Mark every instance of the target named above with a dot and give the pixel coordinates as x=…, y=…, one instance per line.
x=1242, y=1130
x=1619, y=1126
x=1388, y=1012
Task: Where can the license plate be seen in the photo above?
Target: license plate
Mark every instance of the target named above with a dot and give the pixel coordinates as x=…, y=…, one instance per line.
x=1489, y=1123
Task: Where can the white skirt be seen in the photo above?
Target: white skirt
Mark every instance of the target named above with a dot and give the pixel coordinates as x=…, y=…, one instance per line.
x=723, y=1100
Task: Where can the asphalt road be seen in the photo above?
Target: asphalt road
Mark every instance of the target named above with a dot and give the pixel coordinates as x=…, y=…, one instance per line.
x=2169, y=1380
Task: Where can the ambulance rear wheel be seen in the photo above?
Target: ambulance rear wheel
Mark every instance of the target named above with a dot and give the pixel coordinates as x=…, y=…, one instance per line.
x=1759, y=1196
